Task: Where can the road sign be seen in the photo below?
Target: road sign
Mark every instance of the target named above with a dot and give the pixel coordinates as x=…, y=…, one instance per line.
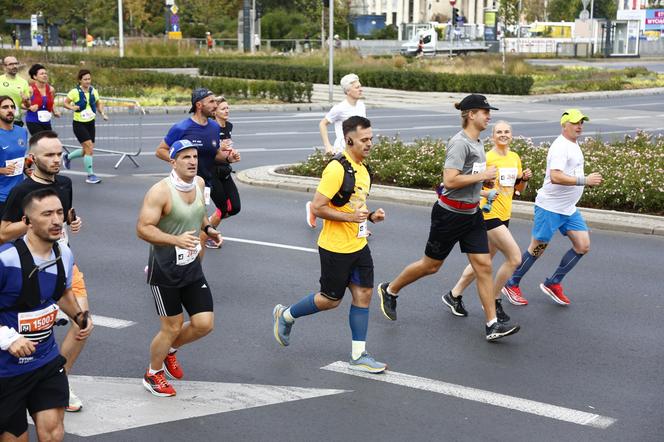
x=174, y=9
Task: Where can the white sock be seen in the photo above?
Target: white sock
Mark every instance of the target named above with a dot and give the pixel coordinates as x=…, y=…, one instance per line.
x=151, y=371
x=490, y=323
x=172, y=350
x=389, y=292
x=288, y=317
x=358, y=347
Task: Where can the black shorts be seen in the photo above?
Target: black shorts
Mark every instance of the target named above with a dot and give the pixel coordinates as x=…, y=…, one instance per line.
x=195, y=297
x=449, y=228
x=42, y=389
x=495, y=222
x=35, y=128
x=338, y=270
x=84, y=131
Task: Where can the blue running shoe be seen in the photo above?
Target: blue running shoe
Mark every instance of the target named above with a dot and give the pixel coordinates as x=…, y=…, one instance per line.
x=282, y=328
x=367, y=364
x=93, y=179
x=66, y=162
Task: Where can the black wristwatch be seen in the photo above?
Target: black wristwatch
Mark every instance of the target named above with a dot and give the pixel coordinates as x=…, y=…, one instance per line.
x=205, y=229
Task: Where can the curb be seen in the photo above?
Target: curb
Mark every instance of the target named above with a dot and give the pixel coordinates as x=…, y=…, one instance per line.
x=266, y=176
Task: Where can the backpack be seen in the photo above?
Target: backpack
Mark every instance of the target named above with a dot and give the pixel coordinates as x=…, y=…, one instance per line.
x=348, y=185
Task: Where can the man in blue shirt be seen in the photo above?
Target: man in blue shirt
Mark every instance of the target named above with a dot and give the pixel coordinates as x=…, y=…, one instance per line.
x=13, y=147
x=35, y=282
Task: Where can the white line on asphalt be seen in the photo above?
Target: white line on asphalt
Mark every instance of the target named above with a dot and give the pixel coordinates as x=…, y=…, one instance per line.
x=270, y=244
x=76, y=172
x=482, y=396
x=105, y=321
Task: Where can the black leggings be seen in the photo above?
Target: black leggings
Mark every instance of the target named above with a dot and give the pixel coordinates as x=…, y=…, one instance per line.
x=225, y=196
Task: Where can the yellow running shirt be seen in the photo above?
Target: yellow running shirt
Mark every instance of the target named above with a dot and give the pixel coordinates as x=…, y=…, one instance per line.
x=86, y=114
x=338, y=236
x=16, y=88
x=509, y=168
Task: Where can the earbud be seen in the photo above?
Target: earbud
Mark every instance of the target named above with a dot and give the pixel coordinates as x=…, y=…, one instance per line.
x=349, y=141
x=26, y=220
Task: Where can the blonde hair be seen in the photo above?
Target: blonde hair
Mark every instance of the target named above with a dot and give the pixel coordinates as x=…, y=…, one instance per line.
x=465, y=115
x=493, y=132
x=347, y=82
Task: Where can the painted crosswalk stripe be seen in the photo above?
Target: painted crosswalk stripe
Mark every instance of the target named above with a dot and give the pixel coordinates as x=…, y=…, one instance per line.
x=105, y=321
x=270, y=244
x=482, y=396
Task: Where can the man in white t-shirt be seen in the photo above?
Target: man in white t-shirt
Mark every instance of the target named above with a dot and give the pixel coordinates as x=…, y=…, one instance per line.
x=351, y=106
x=555, y=209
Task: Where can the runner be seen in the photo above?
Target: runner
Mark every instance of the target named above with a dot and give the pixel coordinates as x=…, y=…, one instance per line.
x=13, y=147
x=32, y=376
x=39, y=114
x=345, y=257
x=84, y=101
x=172, y=214
x=496, y=205
x=15, y=86
x=455, y=217
x=46, y=154
x=202, y=131
x=350, y=106
x=223, y=184
x=555, y=209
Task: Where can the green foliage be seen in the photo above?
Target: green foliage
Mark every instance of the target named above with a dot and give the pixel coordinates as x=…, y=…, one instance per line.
x=389, y=32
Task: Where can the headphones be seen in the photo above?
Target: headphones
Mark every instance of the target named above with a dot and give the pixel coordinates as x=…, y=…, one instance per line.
x=349, y=141
x=26, y=220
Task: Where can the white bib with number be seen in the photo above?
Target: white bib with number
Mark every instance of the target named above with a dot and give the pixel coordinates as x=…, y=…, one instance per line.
x=206, y=195
x=64, y=237
x=186, y=256
x=479, y=167
x=362, y=231
x=44, y=116
x=37, y=321
x=18, y=165
x=87, y=114
x=507, y=176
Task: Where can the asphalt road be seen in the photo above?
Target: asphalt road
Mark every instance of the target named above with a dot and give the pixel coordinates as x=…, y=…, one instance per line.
x=601, y=355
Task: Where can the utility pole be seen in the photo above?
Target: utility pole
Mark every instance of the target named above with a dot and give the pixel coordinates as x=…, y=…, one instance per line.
x=120, y=29
x=246, y=25
x=331, y=47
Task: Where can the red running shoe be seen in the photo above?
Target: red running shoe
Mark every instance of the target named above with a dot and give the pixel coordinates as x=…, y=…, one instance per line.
x=555, y=292
x=157, y=384
x=172, y=367
x=514, y=295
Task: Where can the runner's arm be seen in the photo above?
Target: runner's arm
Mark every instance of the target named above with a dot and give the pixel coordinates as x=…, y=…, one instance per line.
x=9, y=231
x=149, y=216
x=68, y=104
x=162, y=151
x=70, y=306
x=321, y=208
x=453, y=179
x=322, y=126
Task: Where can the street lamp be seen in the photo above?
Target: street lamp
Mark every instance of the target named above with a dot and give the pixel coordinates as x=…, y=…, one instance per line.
x=331, y=61
x=120, y=29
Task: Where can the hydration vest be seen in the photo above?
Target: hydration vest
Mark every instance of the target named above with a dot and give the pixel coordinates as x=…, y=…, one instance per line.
x=82, y=103
x=348, y=185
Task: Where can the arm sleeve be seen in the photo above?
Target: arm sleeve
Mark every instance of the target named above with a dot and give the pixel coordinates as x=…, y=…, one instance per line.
x=456, y=155
x=332, y=179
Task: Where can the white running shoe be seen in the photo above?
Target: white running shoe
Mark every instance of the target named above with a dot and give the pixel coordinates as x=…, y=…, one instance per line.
x=75, y=403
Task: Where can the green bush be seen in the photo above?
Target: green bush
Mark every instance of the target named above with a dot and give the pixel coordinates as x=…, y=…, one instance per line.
x=632, y=168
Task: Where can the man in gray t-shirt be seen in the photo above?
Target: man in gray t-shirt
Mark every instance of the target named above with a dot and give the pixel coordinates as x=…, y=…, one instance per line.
x=455, y=218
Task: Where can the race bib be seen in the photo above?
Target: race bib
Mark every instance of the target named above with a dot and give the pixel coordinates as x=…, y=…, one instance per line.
x=64, y=237
x=186, y=256
x=479, y=167
x=18, y=163
x=38, y=321
x=44, y=116
x=362, y=231
x=206, y=195
x=507, y=176
x=87, y=114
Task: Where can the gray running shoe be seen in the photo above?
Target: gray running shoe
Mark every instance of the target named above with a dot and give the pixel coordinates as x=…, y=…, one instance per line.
x=499, y=330
x=282, y=329
x=388, y=303
x=367, y=364
x=455, y=304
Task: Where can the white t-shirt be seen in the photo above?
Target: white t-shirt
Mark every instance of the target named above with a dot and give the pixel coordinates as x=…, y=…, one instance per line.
x=565, y=156
x=338, y=114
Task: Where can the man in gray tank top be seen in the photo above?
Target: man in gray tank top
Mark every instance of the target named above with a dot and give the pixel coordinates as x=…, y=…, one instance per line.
x=172, y=215
x=455, y=218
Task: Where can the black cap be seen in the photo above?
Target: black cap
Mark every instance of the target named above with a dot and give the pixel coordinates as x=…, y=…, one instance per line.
x=197, y=95
x=475, y=101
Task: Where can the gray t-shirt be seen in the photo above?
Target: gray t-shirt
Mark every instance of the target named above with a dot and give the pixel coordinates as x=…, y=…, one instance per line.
x=467, y=156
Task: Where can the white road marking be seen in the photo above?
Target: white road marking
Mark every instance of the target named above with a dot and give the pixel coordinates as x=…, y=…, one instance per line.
x=270, y=244
x=78, y=173
x=116, y=404
x=105, y=321
x=482, y=396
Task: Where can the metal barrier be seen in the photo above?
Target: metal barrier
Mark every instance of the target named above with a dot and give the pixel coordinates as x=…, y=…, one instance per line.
x=124, y=139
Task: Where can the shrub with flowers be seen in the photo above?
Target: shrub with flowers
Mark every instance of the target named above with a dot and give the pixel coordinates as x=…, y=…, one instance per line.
x=633, y=168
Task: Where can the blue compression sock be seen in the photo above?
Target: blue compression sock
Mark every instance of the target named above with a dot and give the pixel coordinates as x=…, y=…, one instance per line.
x=566, y=264
x=305, y=306
x=527, y=260
x=359, y=322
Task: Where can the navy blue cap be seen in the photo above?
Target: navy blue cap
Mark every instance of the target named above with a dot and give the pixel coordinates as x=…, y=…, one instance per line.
x=197, y=95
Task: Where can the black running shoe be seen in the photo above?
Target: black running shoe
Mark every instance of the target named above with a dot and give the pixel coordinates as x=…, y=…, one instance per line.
x=499, y=330
x=500, y=313
x=388, y=303
x=455, y=304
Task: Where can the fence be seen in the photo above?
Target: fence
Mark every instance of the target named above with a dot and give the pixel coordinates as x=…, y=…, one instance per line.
x=123, y=139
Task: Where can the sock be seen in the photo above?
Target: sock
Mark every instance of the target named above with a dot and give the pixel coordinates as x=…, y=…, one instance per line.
x=172, y=350
x=358, y=347
x=87, y=161
x=527, y=260
x=305, y=306
x=566, y=264
x=389, y=292
x=151, y=371
x=288, y=317
x=490, y=323
x=78, y=153
x=358, y=318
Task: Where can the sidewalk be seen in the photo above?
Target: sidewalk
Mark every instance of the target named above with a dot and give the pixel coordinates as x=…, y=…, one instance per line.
x=599, y=219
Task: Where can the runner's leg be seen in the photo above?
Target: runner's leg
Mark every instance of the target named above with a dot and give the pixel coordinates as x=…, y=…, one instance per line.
x=481, y=263
x=50, y=424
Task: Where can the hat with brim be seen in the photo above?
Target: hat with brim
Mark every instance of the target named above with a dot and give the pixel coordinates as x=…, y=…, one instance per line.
x=179, y=146
x=197, y=95
x=572, y=116
x=475, y=101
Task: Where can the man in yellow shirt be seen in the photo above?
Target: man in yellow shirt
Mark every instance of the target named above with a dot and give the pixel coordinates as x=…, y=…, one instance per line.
x=14, y=86
x=345, y=258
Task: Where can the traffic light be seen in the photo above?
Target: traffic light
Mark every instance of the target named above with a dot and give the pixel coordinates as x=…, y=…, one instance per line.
x=455, y=16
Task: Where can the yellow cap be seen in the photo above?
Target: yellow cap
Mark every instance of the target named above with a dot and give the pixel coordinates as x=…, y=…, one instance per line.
x=572, y=116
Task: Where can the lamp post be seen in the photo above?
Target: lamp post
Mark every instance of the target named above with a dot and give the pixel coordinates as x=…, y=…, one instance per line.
x=120, y=29
x=331, y=48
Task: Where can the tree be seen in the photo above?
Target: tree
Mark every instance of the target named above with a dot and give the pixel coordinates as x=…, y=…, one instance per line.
x=508, y=13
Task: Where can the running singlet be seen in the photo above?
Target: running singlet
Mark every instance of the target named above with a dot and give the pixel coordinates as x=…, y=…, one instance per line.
x=43, y=114
x=338, y=236
x=206, y=138
x=13, y=148
x=509, y=168
x=86, y=114
x=37, y=323
x=170, y=266
x=226, y=131
x=17, y=89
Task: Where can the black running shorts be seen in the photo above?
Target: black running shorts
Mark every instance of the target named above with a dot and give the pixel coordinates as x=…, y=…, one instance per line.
x=84, y=131
x=195, y=297
x=495, y=222
x=449, y=228
x=42, y=389
x=338, y=270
